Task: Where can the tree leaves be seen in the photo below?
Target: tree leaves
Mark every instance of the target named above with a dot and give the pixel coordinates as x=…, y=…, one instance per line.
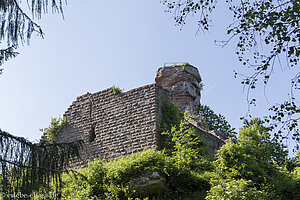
x=6, y=54
x=25, y=166
x=182, y=10
x=54, y=129
x=17, y=27
x=268, y=36
x=216, y=122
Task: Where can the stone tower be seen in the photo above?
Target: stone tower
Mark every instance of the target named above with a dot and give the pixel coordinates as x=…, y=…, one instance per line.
x=182, y=81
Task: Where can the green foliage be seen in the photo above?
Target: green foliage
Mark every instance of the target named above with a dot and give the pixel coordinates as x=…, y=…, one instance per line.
x=296, y=186
x=216, y=122
x=185, y=144
x=256, y=158
x=267, y=38
x=251, y=156
x=114, y=180
x=179, y=138
x=54, y=129
x=250, y=167
x=170, y=115
x=16, y=26
x=181, y=65
x=28, y=167
x=76, y=186
x=291, y=164
x=236, y=190
x=116, y=90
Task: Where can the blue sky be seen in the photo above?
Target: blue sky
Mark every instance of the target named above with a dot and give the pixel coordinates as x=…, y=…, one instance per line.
x=101, y=43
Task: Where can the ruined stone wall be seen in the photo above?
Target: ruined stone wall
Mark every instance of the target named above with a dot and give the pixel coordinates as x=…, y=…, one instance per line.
x=182, y=81
x=183, y=85
x=114, y=125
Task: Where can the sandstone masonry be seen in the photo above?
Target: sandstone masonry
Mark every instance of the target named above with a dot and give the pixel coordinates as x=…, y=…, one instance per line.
x=114, y=125
x=183, y=84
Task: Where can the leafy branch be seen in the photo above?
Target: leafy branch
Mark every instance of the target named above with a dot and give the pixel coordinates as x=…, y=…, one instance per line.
x=267, y=36
x=54, y=129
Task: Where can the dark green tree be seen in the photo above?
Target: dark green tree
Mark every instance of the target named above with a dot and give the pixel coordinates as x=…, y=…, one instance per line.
x=252, y=154
x=216, y=121
x=267, y=36
x=255, y=161
x=17, y=26
x=26, y=167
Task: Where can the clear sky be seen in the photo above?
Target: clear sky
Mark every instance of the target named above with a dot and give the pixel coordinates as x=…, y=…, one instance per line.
x=101, y=43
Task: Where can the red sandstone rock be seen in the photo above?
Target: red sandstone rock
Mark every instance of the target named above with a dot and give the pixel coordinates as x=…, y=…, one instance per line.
x=113, y=125
x=183, y=84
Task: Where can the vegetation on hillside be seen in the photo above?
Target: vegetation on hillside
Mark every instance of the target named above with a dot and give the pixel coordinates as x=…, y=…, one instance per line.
x=253, y=166
x=182, y=163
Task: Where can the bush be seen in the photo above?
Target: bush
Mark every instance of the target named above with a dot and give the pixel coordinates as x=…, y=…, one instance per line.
x=252, y=156
x=186, y=146
x=236, y=190
x=76, y=186
x=54, y=129
x=116, y=90
x=249, y=168
x=256, y=158
x=115, y=179
x=170, y=115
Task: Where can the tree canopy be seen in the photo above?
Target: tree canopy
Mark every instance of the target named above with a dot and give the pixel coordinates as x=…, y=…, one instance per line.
x=253, y=167
x=216, y=122
x=17, y=27
x=26, y=167
x=267, y=37
x=250, y=167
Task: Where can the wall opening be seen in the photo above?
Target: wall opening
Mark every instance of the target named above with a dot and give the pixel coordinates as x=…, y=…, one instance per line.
x=92, y=134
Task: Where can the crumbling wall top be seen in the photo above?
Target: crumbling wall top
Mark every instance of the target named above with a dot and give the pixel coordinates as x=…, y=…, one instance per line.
x=183, y=83
x=168, y=76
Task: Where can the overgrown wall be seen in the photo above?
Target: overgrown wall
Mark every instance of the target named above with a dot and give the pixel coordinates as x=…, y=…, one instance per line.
x=114, y=125
x=122, y=123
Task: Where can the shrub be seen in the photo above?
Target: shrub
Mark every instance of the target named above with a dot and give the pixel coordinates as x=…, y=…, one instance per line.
x=251, y=156
x=54, y=129
x=114, y=179
x=116, y=90
x=170, y=115
x=76, y=186
x=235, y=190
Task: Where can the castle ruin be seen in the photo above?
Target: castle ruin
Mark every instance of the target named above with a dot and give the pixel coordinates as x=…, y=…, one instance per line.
x=113, y=125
